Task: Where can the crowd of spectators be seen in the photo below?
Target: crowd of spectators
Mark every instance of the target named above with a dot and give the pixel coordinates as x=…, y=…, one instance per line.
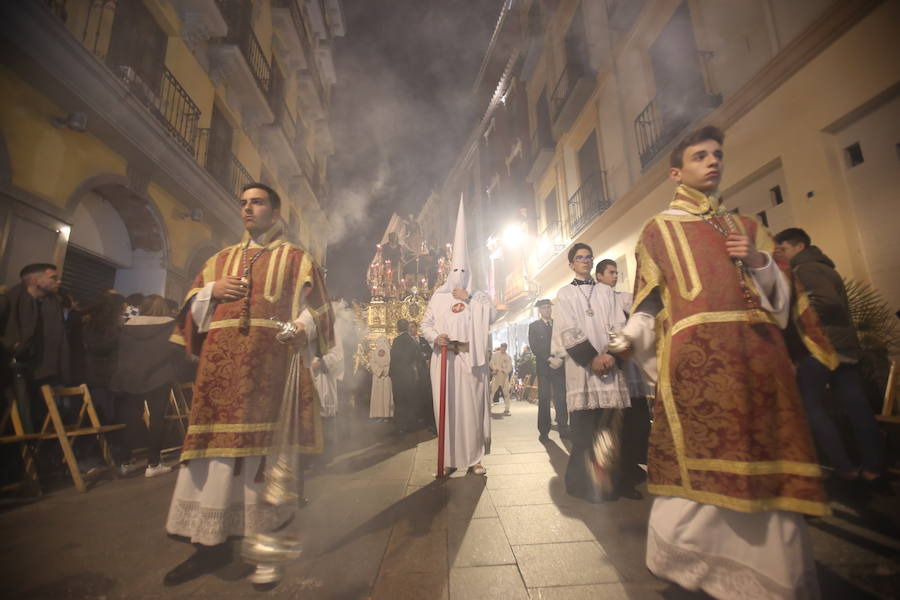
x=118, y=346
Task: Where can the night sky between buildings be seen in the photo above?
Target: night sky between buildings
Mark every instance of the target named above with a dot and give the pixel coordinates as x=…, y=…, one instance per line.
x=401, y=110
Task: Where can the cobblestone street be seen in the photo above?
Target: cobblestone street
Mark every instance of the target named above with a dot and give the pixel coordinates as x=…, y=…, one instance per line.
x=379, y=526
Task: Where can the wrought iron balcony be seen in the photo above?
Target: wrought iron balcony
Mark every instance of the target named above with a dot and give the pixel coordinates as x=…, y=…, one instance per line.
x=570, y=93
x=285, y=120
x=589, y=202
x=241, y=34
x=240, y=61
x=160, y=92
x=661, y=122
x=291, y=34
x=171, y=105
x=224, y=166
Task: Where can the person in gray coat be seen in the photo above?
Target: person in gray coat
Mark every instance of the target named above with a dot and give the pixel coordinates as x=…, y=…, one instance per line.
x=145, y=371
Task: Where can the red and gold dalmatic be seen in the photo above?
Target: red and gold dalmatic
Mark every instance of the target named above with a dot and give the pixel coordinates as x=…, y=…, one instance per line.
x=242, y=371
x=729, y=427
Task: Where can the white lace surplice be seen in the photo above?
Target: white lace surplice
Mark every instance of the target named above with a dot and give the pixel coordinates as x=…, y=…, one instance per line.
x=211, y=503
x=728, y=554
x=584, y=388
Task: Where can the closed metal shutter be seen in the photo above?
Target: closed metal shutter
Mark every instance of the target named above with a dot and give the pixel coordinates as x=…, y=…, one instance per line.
x=85, y=276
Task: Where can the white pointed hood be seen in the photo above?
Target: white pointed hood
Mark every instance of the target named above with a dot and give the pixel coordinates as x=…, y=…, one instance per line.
x=459, y=276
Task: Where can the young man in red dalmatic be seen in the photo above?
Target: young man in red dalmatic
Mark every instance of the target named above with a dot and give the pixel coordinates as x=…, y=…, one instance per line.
x=731, y=458
x=233, y=320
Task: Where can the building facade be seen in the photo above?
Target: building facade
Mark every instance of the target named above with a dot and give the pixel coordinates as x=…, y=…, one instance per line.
x=129, y=127
x=807, y=92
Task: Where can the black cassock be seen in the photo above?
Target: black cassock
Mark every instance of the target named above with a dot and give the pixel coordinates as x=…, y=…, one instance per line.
x=408, y=377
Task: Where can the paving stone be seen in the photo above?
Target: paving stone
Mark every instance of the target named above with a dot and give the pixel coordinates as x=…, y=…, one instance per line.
x=521, y=468
x=525, y=457
x=412, y=586
x=469, y=499
x=487, y=583
x=416, y=554
x=574, y=563
x=478, y=542
x=522, y=481
x=605, y=591
x=541, y=524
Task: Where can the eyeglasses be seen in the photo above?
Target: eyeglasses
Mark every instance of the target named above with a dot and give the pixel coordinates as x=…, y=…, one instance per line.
x=587, y=258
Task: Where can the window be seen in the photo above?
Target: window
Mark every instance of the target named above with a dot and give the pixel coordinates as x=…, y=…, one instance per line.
x=775, y=194
x=551, y=213
x=763, y=218
x=588, y=158
x=854, y=155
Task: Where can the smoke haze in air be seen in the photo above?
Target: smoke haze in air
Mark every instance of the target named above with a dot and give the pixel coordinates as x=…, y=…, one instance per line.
x=401, y=110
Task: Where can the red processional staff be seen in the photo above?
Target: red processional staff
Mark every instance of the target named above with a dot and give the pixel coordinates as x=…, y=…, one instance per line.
x=442, y=413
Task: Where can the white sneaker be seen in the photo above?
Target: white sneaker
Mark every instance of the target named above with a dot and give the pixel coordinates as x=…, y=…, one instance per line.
x=127, y=469
x=160, y=469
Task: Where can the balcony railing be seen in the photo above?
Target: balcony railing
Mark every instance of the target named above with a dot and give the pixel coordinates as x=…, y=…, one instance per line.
x=590, y=201
x=225, y=168
x=285, y=120
x=657, y=125
x=241, y=34
x=172, y=106
x=160, y=93
x=564, y=86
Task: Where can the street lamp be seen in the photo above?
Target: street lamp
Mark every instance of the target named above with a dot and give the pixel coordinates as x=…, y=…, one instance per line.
x=514, y=235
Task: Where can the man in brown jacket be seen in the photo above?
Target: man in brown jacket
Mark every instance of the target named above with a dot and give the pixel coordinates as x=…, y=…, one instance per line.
x=828, y=297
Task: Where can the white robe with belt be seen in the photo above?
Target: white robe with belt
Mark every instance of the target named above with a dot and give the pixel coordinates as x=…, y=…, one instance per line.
x=468, y=415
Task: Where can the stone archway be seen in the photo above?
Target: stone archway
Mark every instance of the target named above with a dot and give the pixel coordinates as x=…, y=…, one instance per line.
x=122, y=229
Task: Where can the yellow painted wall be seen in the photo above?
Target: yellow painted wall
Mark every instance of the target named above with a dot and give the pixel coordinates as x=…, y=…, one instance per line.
x=184, y=235
x=48, y=161
x=791, y=124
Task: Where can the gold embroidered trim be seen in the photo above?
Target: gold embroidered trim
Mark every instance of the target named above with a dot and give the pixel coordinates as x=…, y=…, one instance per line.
x=686, y=293
x=256, y=322
x=809, y=507
x=238, y=452
x=275, y=275
x=753, y=315
x=694, y=201
x=232, y=264
x=231, y=428
x=177, y=338
x=304, y=276
x=772, y=467
x=649, y=272
x=829, y=359
x=191, y=293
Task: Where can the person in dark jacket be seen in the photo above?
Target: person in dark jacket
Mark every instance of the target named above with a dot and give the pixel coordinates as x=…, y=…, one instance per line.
x=145, y=371
x=551, y=382
x=100, y=340
x=424, y=404
x=35, y=346
x=827, y=294
x=407, y=372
